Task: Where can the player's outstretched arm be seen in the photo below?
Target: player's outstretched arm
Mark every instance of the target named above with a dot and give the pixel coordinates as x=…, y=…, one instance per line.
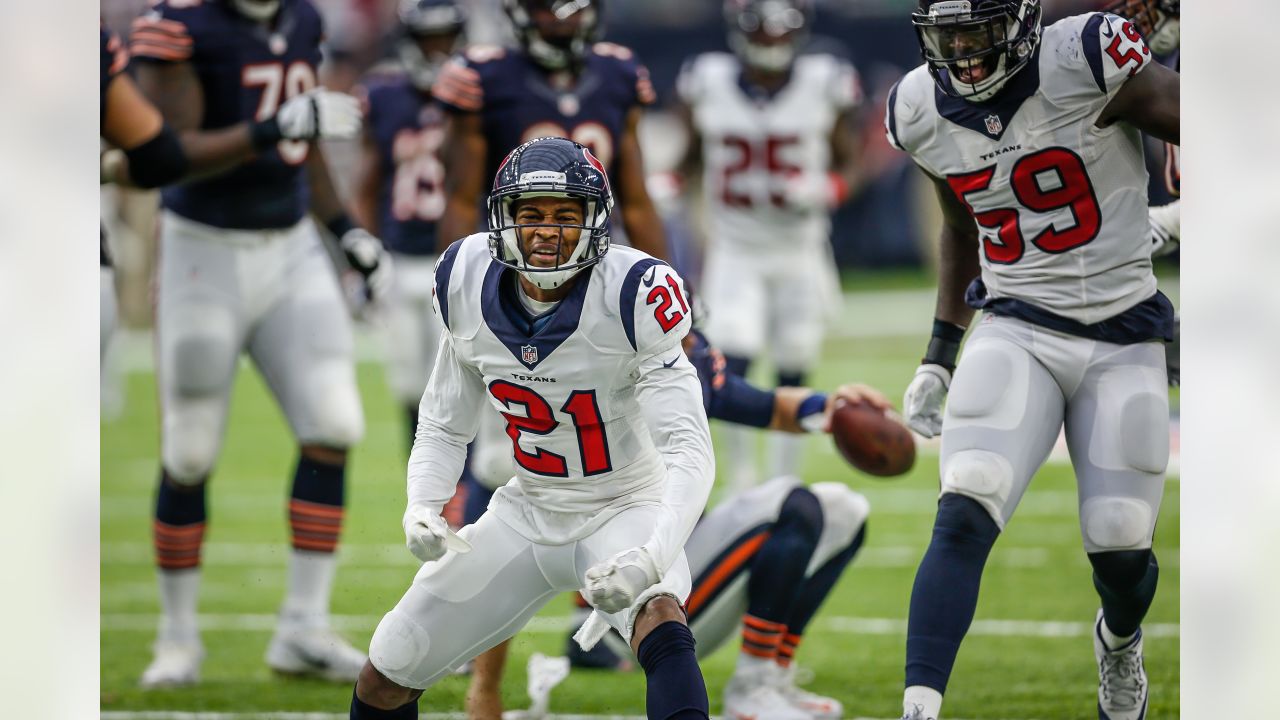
x=1148, y=101
x=639, y=217
x=448, y=417
x=846, y=157
x=465, y=151
x=799, y=410
x=364, y=252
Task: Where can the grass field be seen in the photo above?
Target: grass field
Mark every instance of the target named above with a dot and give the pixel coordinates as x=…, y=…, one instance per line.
x=1029, y=655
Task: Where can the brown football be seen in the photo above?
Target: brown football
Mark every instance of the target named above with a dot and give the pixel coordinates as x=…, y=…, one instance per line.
x=872, y=441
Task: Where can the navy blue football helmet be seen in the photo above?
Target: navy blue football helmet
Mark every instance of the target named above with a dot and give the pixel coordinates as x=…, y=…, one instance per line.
x=564, y=41
x=768, y=34
x=423, y=19
x=550, y=167
x=974, y=47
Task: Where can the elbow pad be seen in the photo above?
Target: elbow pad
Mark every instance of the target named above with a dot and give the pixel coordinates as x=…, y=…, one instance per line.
x=158, y=161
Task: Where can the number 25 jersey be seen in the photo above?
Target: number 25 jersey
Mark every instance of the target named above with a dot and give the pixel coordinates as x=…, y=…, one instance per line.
x=568, y=385
x=1060, y=204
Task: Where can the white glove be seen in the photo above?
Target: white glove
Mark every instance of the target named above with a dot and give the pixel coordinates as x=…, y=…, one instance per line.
x=319, y=113
x=1166, y=228
x=922, y=403
x=428, y=536
x=367, y=256
x=613, y=585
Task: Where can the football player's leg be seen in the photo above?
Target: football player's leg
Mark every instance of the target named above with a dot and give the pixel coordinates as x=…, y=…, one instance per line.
x=799, y=301
x=198, y=333
x=1118, y=434
x=412, y=331
x=1002, y=417
x=303, y=347
x=454, y=610
x=655, y=624
x=733, y=288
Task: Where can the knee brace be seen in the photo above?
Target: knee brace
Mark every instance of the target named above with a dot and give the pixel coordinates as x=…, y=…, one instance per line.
x=338, y=419
x=1116, y=523
x=191, y=439
x=844, y=512
x=1122, y=569
x=983, y=476
x=398, y=645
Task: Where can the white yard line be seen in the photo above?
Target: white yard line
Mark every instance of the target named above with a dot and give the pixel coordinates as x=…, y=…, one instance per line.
x=248, y=622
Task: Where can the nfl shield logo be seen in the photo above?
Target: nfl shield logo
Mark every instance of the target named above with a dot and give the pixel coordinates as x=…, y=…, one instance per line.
x=994, y=126
x=529, y=354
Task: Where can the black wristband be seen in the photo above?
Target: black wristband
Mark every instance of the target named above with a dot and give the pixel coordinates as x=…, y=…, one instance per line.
x=340, y=225
x=158, y=161
x=265, y=133
x=944, y=346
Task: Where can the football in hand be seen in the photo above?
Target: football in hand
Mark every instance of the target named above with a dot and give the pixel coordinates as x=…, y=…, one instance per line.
x=875, y=442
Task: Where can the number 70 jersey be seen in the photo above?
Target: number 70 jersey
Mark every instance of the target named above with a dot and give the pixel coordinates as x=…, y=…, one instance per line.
x=1060, y=204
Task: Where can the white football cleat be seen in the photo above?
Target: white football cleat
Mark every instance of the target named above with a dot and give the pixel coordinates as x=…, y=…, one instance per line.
x=751, y=696
x=1122, y=680
x=817, y=706
x=916, y=713
x=315, y=650
x=175, y=664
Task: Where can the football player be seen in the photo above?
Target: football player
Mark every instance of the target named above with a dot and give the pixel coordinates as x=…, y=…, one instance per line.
x=774, y=134
x=242, y=268
x=762, y=561
x=1031, y=135
x=400, y=194
x=577, y=346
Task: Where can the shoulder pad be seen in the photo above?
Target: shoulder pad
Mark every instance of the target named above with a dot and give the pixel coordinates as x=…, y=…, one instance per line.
x=634, y=73
x=459, y=267
x=839, y=79
x=906, y=109
x=653, y=306
x=1096, y=52
x=166, y=33
x=697, y=75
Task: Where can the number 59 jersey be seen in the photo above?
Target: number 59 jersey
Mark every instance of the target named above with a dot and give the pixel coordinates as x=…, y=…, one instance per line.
x=1060, y=204
x=566, y=384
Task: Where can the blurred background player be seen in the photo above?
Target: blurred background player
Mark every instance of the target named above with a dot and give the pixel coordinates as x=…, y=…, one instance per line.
x=774, y=135
x=400, y=195
x=762, y=561
x=1032, y=137
x=242, y=268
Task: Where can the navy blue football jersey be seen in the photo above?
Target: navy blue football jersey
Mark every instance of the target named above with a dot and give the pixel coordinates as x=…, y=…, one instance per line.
x=517, y=101
x=246, y=72
x=407, y=127
x=114, y=59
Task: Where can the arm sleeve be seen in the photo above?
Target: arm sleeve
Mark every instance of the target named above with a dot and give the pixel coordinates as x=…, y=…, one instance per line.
x=448, y=418
x=671, y=400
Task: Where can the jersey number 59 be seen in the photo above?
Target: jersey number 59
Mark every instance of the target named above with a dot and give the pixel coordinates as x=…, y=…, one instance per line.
x=1057, y=168
x=583, y=411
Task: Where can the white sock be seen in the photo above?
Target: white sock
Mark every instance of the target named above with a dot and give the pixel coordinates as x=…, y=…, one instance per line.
x=784, y=453
x=740, y=446
x=310, y=582
x=1113, y=641
x=926, y=698
x=750, y=665
x=179, y=592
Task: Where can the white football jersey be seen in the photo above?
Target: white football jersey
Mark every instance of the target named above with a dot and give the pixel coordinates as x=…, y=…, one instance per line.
x=568, y=393
x=757, y=151
x=1060, y=204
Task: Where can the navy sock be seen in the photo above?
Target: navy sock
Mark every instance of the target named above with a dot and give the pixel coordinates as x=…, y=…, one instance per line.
x=945, y=593
x=778, y=568
x=178, y=530
x=1126, y=583
x=316, y=504
x=790, y=379
x=362, y=711
x=815, y=588
x=411, y=421
x=736, y=365
x=675, y=689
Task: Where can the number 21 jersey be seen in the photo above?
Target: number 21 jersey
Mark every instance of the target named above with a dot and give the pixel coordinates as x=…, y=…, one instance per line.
x=1060, y=204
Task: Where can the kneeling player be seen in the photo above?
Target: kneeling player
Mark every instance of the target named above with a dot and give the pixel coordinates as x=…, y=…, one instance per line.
x=610, y=441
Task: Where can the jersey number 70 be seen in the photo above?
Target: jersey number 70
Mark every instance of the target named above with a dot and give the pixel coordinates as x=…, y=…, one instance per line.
x=582, y=409
x=1064, y=173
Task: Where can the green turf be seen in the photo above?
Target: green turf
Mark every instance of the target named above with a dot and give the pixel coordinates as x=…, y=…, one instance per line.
x=1037, y=572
